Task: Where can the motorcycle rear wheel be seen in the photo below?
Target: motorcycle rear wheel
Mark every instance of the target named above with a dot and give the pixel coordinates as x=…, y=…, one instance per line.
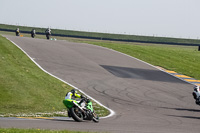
x=76, y=114
x=48, y=36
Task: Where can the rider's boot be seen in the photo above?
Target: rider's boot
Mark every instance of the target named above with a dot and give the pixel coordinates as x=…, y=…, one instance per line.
x=69, y=114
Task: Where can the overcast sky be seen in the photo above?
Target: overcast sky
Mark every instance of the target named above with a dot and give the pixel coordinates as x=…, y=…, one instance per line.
x=171, y=18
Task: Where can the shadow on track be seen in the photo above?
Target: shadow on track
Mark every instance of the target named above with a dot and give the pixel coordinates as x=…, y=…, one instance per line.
x=189, y=117
x=182, y=109
x=62, y=120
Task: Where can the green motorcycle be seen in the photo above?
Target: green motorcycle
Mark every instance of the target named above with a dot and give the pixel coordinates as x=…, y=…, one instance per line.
x=81, y=110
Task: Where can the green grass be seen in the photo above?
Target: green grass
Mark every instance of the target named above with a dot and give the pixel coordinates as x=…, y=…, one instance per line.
x=105, y=35
x=26, y=89
x=14, y=130
x=182, y=59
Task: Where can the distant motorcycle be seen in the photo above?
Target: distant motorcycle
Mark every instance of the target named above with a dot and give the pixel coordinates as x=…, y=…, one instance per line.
x=48, y=33
x=81, y=110
x=196, y=95
x=17, y=32
x=33, y=33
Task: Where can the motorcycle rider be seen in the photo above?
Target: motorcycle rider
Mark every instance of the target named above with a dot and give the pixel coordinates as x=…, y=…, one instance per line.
x=196, y=94
x=48, y=30
x=48, y=33
x=33, y=33
x=72, y=95
x=17, y=32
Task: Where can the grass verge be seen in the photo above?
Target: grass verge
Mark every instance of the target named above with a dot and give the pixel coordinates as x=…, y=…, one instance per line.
x=25, y=90
x=14, y=130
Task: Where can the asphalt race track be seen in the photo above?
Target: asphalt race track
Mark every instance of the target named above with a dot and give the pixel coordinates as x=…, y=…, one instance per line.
x=145, y=99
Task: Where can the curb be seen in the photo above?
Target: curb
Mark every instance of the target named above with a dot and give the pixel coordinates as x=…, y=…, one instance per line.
x=185, y=78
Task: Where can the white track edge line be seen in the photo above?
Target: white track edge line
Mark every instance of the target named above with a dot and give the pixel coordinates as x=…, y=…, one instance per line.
x=112, y=113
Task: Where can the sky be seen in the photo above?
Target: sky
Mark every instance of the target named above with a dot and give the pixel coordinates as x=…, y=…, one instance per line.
x=165, y=18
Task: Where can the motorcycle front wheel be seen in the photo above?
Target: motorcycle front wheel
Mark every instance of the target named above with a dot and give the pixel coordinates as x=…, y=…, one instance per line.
x=95, y=118
x=76, y=114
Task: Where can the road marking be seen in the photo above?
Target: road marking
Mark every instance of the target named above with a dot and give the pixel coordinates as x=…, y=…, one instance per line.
x=192, y=80
x=26, y=117
x=182, y=76
x=44, y=118
x=168, y=71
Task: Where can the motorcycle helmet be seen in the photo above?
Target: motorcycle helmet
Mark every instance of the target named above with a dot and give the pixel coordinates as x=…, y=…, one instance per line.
x=73, y=91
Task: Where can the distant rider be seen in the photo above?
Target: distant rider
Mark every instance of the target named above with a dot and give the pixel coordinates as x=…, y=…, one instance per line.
x=48, y=33
x=196, y=94
x=17, y=32
x=33, y=33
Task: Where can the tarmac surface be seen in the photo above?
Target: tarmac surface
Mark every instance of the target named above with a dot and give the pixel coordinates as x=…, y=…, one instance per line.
x=145, y=99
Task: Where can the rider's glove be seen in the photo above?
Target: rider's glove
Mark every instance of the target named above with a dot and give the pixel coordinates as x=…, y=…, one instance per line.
x=82, y=96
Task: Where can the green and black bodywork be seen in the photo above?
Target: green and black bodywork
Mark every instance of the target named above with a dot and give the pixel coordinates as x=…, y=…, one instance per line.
x=81, y=110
